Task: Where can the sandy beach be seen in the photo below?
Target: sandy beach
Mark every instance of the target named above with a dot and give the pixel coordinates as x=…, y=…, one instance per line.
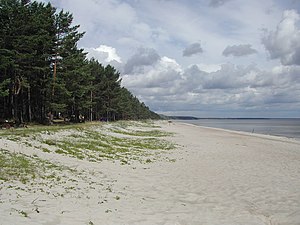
x=212, y=176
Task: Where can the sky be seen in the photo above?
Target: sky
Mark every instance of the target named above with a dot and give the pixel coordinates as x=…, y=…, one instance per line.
x=203, y=58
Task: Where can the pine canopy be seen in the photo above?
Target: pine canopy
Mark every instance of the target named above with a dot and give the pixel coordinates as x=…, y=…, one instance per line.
x=43, y=71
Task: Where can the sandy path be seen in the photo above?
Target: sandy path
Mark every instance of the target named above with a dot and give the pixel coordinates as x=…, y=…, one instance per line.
x=219, y=177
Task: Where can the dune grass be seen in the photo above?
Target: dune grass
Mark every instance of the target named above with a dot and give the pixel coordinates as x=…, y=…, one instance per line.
x=37, y=129
x=141, y=133
x=24, y=168
x=122, y=140
x=139, y=142
x=16, y=166
x=97, y=143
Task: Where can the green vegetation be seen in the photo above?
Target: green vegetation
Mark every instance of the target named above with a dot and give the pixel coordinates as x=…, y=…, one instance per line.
x=68, y=176
x=123, y=140
x=23, y=213
x=16, y=167
x=141, y=133
x=44, y=73
x=16, y=134
x=123, y=127
x=92, y=143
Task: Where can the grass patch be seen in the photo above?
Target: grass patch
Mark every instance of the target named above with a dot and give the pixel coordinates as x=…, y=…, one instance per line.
x=38, y=129
x=50, y=142
x=93, y=145
x=45, y=150
x=23, y=168
x=90, y=141
x=16, y=167
x=141, y=133
x=141, y=123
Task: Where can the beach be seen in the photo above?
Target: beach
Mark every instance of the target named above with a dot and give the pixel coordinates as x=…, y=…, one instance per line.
x=209, y=176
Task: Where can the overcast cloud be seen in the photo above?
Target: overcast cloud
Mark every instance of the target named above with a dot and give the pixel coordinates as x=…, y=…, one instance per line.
x=239, y=50
x=284, y=42
x=217, y=3
x=247, y=65
x=143, y=57
x=192, y=49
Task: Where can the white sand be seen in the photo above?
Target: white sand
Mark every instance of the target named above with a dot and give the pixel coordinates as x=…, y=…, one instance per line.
x=219, y=177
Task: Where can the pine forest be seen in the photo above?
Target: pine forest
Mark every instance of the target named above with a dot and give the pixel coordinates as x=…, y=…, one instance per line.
x=44, y=74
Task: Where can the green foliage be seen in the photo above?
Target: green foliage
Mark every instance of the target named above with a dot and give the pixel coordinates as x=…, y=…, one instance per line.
x=4, y=91
x=42, y=70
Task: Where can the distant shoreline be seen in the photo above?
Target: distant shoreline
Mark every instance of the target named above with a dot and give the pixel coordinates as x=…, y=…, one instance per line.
x=227, y=118
x=283, y=127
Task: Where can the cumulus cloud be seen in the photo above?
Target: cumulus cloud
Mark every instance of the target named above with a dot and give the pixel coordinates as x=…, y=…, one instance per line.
x=239, y=50
x=143, y=57
x=159, y=77
x=192, y=49
x=153, y=79
x=284, y=42
x=227, y=77
x=209, y=67
x=207, y=87
x=166, y=87
x=217, y=3
x=104, y=53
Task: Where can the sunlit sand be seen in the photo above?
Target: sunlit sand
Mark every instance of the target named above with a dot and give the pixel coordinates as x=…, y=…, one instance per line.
x=213, y=176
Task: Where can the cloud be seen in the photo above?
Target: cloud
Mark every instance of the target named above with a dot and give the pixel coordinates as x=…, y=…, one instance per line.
x=209, y=87
x=228, y=76
x=209, y=67
x=150, y=76
x=143, y=57
x=217, y=3
x=160, y=75
x=239, y=50
x=192, y=49
x=284, y=42
x=228, y=89
x=104, y=53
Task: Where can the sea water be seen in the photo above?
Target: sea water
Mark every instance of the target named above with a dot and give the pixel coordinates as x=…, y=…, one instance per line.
x=279, y=127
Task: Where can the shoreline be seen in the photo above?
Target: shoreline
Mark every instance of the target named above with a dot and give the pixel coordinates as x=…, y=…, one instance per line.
x=213, y=176
x=296, y=138
x=259, y=135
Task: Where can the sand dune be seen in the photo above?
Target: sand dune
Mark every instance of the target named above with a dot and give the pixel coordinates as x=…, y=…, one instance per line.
x=212, y=177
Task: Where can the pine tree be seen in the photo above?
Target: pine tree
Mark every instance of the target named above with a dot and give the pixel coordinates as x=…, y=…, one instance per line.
x=42, y=69
x=26, y=41
x=70, y=81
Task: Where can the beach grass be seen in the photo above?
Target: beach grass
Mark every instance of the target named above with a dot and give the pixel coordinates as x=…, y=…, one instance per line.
x=24, y=168
x=16, y=166
x=31, y=167
x=142, y=133
x=123, y=140
x=38, y=129
x=96, y=143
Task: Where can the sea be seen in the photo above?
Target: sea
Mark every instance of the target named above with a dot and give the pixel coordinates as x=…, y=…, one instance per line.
x=277, y=127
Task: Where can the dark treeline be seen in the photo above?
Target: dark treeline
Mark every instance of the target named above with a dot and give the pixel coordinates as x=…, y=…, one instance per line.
x=42, y=70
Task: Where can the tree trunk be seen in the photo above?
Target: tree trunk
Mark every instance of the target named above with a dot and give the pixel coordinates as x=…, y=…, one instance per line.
x=12, y=105
x=29, y=105
x=91, y=109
